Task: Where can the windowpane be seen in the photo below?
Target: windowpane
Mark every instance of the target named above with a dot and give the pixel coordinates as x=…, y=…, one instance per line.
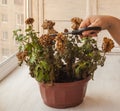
x=11, y=17
x=55, y=10
x=18, y=2
x=5, y=51
x=105, y=8
x=4, y=18
x=62, y=14
x=19, y=19
x=4, y=35
x=4, y=2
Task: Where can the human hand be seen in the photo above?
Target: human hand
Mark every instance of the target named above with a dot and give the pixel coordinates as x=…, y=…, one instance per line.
x=96, y=20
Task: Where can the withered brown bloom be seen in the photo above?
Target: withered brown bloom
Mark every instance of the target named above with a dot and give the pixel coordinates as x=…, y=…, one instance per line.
x=65, y=30
x=107, y=45
x=29, y=21
x=46, y=40
x=76, y=23
x=21, y=55
x=49, y=25
x=60, y=42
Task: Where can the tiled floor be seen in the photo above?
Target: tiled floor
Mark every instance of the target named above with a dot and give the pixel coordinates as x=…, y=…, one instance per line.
x=19, y=92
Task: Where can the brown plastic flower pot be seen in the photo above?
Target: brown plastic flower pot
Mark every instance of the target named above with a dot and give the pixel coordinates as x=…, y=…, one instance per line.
x=63, y=95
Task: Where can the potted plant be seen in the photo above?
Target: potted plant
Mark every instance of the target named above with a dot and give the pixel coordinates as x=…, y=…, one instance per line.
x=62, y=64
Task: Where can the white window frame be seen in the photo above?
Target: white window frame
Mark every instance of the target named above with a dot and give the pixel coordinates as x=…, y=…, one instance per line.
x=19, y=17
x=12, y=62
x=4, y=35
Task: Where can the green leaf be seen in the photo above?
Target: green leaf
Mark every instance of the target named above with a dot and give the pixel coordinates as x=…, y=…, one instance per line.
x=32, y=58
x=42, y=71
x=44, y=65
x=28, y=47
x=40, y=76
x=77, y=70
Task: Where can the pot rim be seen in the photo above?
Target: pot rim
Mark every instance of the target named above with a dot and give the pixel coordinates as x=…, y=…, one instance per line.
x=68, y=83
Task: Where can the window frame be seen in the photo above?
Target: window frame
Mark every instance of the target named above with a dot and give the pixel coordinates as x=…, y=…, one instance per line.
x=11, y=62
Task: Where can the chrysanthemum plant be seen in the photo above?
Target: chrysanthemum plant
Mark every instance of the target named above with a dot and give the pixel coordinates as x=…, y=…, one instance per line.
x=60, y=58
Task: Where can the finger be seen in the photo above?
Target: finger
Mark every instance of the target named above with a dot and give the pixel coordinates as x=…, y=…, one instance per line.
x=85, y=23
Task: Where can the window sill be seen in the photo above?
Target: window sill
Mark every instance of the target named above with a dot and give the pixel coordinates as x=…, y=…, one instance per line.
x=8, y=66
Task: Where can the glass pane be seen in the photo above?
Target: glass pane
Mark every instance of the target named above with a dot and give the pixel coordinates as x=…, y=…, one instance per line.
x=64, y=9
x=105, y=8
x=61, y=11
x=11, y=17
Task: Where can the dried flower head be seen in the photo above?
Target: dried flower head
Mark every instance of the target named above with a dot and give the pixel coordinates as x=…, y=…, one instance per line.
x=21, y=55
x=76, y=20
x=65, y=30
x=60, y=42
x=107, y=45
x=29, y=21
x=76, y=23
x=46, y=40
x=48, y=24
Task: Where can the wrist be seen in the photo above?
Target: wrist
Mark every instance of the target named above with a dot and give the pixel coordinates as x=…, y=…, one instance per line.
x=112, y=22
